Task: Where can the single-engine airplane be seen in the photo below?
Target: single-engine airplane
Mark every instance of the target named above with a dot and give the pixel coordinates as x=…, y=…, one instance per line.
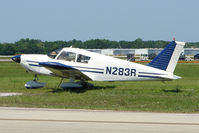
x=83, y=65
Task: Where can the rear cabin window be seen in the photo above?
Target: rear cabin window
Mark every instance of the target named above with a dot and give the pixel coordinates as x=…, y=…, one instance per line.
x=83, y=58
x=67, y=56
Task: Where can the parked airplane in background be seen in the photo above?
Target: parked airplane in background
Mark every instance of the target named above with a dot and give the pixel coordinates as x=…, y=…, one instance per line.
x=79, y=64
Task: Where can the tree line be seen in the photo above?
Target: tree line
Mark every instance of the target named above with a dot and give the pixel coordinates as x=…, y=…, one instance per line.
x=34, y=46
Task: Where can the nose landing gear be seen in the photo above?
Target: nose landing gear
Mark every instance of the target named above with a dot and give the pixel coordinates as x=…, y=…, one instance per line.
x=33, y=84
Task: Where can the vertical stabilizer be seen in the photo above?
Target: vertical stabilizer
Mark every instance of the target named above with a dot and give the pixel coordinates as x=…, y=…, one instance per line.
x=167, y=58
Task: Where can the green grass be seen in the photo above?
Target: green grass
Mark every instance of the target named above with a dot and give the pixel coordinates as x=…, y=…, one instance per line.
x=154, y=96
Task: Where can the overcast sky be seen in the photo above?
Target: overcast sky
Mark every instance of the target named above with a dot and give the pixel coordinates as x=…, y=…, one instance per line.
x=51, y=20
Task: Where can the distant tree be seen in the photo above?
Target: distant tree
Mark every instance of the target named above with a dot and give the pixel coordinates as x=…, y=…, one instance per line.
x=34, y=46
x=7, y=49
x=138, y=43
x=125, y=44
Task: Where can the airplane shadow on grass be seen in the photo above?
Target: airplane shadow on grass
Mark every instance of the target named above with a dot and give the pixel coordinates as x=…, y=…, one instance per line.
x=82, y=90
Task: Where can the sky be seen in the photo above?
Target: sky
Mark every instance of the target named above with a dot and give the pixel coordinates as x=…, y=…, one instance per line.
x=52, y=20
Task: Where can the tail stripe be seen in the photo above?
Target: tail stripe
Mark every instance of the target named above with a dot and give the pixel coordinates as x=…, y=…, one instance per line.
x=162, y=60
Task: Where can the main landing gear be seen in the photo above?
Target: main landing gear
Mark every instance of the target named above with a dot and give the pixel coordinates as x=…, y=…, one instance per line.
x=33, y=84
x=73, y=84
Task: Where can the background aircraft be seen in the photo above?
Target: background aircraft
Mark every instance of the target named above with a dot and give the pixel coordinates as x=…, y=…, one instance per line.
x=82, y=65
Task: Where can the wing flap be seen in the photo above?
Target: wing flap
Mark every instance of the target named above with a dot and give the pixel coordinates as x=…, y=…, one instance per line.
x=64, y=71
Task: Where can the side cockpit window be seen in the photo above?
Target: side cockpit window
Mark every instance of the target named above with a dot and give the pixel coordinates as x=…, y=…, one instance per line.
x=82, y=58
x=67, y=56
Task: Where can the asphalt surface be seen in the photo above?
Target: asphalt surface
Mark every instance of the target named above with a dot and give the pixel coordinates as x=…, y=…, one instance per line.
x=31, y=120
x=2, y=60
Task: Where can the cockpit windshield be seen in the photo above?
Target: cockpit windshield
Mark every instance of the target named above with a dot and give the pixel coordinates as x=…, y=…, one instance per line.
x=54, y=53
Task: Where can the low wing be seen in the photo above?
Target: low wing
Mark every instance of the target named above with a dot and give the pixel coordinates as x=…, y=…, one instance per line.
x=64, y=71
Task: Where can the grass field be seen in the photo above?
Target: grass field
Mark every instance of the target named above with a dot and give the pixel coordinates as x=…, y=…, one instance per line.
x=155, y=96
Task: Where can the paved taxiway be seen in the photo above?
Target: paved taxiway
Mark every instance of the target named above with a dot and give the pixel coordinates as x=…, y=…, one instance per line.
x=31, y=120
x=5, y=60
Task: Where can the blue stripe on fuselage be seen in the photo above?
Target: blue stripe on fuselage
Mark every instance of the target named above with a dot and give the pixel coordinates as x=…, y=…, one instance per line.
x=147, y=76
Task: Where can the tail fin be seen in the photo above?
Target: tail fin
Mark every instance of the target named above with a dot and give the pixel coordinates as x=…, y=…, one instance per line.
x=167, y=58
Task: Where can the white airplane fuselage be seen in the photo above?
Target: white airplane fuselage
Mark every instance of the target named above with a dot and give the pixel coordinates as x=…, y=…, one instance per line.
x=98, y=68
x=79, y=64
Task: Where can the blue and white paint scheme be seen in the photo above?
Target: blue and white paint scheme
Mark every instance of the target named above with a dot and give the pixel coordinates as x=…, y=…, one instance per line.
x=79, y=64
